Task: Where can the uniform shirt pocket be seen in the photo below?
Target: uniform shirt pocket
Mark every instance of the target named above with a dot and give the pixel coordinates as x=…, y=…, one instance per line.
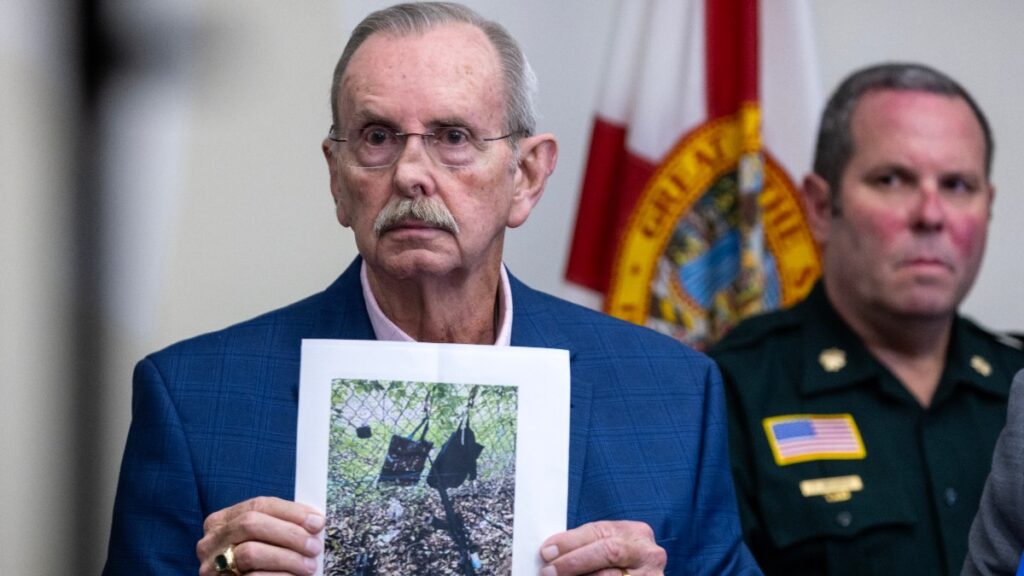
x=791, y=518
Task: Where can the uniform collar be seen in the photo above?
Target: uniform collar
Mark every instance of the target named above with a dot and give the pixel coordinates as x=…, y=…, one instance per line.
x=834, y=356
x=974, y=359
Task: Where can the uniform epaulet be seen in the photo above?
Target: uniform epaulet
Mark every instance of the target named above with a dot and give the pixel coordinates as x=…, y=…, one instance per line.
x=757, y=328
x=1009, y=339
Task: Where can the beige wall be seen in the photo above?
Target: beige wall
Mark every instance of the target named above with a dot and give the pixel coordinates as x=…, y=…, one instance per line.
x=238, y=183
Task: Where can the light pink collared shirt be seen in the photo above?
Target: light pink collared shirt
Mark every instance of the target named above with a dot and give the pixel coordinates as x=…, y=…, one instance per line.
x=385, y=329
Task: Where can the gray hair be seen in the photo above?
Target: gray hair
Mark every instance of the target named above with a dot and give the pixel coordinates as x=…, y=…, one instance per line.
x=835, y=139
x=520, y=83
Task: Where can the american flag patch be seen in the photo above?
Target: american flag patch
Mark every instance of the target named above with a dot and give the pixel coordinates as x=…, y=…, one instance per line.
x=804, y=437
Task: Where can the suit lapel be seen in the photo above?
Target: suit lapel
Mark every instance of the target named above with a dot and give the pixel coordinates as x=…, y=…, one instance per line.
x=342, y=312
x=534, y=324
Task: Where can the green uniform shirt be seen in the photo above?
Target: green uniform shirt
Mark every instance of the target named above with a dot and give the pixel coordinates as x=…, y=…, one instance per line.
x=897, y=484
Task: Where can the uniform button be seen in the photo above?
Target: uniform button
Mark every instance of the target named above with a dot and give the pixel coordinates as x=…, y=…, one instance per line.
x=950, y=496
x=844, y=519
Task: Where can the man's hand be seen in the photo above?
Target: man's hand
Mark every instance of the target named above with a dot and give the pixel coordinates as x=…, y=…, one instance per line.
x=610, y=548
x=268, y=535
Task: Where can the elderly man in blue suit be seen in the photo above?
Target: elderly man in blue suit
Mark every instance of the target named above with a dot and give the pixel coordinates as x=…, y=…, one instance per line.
x=432, y=155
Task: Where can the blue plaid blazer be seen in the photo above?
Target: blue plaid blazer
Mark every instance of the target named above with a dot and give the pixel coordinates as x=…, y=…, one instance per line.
x=214, y=420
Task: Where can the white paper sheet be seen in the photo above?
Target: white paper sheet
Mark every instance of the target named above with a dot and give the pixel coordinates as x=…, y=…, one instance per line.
x=383, y=389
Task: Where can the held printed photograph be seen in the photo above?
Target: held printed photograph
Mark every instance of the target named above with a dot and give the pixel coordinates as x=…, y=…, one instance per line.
x=421, y=478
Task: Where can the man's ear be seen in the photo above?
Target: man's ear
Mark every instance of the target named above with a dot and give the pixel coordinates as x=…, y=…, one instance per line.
x=537, y=158
x=817, y=206
x=991, y=199
x=332, y=167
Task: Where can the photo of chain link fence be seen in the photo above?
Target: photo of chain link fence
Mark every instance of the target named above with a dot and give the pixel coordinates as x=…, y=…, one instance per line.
x=421, y=478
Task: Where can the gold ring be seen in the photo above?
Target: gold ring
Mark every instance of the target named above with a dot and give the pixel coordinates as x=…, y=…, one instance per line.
x=224, y=563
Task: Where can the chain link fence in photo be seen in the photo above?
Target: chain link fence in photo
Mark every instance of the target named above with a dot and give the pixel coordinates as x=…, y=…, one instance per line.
x=384, y=517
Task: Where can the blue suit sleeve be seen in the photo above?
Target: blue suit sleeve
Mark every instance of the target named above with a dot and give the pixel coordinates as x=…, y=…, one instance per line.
x=716, y=545
x=157, y=514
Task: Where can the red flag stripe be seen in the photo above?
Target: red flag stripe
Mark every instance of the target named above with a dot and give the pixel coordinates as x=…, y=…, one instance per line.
x=612, y=183
x=597, y=202
x=731, y=54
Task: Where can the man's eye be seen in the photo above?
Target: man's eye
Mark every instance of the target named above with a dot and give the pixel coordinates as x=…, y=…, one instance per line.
x=958, y=185
x=893, y=180
x=888, y=180
x=376, y=136
x=453, y=136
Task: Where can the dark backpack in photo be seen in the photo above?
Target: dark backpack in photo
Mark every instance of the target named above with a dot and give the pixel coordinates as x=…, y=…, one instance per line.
x=457, y=459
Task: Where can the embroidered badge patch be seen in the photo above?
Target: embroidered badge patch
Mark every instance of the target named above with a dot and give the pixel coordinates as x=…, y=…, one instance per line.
x=804, y=437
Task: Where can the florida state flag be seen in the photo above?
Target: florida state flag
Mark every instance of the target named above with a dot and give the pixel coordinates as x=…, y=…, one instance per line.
x=690, y=218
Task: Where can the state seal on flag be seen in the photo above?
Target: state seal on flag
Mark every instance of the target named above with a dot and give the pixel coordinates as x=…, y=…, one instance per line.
x=717, y=234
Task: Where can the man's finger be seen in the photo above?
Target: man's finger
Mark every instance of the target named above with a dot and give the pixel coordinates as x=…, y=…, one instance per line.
x=295, y=512
x=278, y=532
x=598, y=546
x=565, y=542
x=263, y=543
x=259, y=527
x=257, y=556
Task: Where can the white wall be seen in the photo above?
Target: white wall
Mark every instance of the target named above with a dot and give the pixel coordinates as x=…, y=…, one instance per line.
x=37, y=460
x=252, y=225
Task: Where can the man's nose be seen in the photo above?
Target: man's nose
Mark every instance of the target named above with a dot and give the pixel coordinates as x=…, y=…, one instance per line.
x=412, y=166
x=930, y=211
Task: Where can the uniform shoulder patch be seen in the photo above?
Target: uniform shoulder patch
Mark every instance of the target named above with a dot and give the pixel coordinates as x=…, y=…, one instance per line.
x=805, y=437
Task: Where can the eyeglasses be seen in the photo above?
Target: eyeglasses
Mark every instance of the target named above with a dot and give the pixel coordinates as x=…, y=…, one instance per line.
x=377, y=146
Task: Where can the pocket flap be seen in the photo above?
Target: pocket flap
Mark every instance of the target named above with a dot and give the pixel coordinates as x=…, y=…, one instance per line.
x=790, y=517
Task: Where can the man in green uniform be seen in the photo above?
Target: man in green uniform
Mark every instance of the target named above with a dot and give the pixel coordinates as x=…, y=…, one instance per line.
x=862, y=420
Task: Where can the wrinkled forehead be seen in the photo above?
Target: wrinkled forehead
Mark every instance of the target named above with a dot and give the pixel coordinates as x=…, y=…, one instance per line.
x=447, y=72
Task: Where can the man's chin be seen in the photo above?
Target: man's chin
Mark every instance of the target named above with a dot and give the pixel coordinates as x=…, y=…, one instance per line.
x=927, y=302
x=411, y=263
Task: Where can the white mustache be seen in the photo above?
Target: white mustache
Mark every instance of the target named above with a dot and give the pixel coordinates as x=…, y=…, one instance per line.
x=430, y=211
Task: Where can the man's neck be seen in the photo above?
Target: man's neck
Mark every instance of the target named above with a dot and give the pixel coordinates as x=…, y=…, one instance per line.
x=912, y=348
x=461, y=310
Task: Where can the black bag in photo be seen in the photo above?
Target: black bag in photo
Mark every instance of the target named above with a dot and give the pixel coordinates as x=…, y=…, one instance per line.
x=406, y=457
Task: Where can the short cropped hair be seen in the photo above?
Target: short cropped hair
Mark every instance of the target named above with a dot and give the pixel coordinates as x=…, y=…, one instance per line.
x=835, y=138
x=520, y=83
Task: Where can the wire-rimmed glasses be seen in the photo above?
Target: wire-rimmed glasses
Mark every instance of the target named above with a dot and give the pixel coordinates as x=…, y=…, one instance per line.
x=378, y=146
